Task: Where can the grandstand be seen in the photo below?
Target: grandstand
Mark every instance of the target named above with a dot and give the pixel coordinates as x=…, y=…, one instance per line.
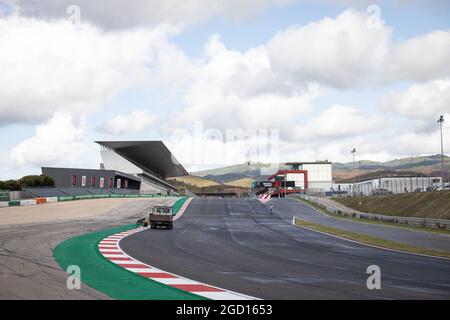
x=149, y=161
x=64, y=192
x=129, y=167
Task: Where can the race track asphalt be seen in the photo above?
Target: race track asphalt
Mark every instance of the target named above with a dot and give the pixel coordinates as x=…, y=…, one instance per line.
x=238, y=245
x=286, y=208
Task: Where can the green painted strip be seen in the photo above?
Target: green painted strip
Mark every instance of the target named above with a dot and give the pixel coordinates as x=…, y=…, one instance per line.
x=14, y=203
x=66, y=198
x=99, y=273
x=178, y=204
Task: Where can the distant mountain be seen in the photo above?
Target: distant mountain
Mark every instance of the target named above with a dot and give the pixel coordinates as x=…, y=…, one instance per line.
x=430, y=165
x=259, y=171
x=254, y=170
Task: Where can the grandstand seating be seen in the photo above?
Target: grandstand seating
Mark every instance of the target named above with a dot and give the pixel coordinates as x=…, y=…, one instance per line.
x=44, y=192
x=61, y=192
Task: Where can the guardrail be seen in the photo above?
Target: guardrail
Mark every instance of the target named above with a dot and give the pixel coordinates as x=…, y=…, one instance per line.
x=410, y=221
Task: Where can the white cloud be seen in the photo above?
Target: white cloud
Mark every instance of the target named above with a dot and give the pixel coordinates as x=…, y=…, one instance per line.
x=50, y=68
x=406, y=142
x=339, y=122
x=345, y=53
x=60, y=140
x=46, y=67
x=136, y=121
x=421, y=58
x=116, y=14
x=240, y=90
x=341, y=52
x=421, y=101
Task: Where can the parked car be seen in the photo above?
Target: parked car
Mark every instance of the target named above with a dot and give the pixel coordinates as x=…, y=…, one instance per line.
x=419, y=190
x=381, y=192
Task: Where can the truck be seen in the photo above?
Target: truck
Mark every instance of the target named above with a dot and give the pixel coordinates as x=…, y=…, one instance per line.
x=158, y=216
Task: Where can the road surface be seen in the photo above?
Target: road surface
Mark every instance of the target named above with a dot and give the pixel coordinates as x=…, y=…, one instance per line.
x=238, y=245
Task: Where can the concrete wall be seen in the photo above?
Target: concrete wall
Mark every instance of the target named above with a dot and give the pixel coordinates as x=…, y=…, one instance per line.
x=148, y=187
x=112, y=161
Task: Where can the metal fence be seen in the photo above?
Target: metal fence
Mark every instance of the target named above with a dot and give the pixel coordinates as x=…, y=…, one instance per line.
x=4, y=195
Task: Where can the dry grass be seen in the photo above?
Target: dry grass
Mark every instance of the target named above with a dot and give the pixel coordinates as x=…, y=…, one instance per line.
x=196, y=181
x=418, y=204
x=243, y=182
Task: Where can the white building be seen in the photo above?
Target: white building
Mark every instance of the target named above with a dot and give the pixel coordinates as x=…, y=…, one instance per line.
x=319, y=174
x=308, y=177
x=392, y=184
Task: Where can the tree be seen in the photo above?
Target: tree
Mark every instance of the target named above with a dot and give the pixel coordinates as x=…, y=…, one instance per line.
x=27, y=181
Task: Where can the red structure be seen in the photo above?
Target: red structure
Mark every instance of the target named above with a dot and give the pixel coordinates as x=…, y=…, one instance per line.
x=282, y=186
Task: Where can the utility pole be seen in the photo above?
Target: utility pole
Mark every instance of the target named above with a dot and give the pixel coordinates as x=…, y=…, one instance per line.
x=440, y=121
x=353, y=171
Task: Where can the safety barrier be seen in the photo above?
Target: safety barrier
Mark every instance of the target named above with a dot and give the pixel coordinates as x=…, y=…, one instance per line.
x=410, y=221
x=28, y=202
x=4, y=196
x=42, y=200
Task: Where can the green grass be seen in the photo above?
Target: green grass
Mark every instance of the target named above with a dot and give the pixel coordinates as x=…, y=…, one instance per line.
x=178, y=204
x=99, y=273
x=389, y=244
x=387, y=224
x=417, y=204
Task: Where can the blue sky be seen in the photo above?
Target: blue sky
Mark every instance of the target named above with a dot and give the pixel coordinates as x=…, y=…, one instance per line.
x=271, y=67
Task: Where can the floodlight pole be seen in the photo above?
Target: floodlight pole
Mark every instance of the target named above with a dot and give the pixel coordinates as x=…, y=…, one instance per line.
x=440, y=121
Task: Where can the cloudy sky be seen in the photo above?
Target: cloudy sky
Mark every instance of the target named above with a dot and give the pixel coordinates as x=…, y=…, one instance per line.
x=222, y=82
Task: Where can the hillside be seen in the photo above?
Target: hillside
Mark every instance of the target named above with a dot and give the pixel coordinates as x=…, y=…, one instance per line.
x=243, y=182
x=423, y=204
x=430, y=165
x=195, y=181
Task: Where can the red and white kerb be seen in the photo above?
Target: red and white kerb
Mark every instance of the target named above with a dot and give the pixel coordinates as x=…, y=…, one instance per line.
x=264, y=198
x=109, y=247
